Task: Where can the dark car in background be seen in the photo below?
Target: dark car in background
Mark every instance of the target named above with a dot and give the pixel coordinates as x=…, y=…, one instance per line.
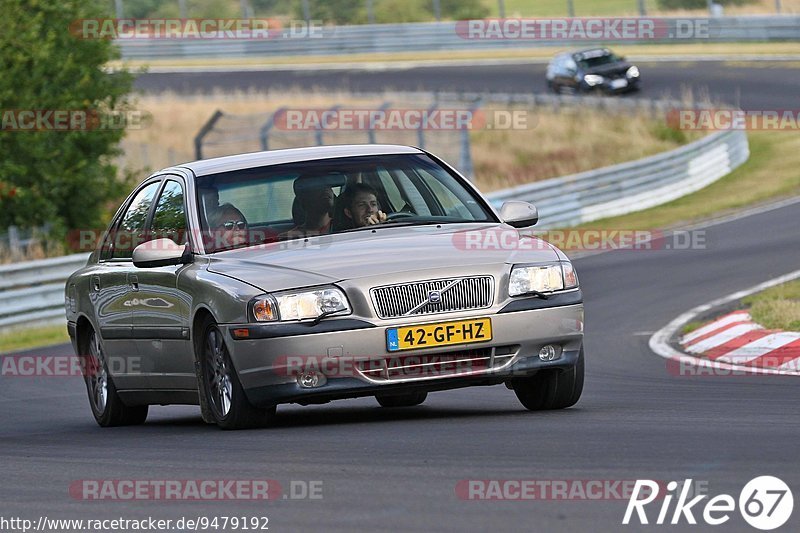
x=591, y=71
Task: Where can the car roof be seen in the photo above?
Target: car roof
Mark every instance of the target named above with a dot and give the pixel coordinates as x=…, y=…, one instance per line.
x=204, y=167
x=591, y=52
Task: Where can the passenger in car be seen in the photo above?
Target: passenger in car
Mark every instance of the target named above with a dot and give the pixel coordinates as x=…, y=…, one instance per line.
x=229, y=227
x=317, y=205
x=360, y=207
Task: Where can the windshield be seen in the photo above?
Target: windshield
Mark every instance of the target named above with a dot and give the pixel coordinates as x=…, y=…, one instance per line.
x=589, y=62
x=299, y=200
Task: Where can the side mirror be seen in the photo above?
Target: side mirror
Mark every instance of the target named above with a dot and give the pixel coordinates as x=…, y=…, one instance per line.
x=518, y=214
x=161, y=252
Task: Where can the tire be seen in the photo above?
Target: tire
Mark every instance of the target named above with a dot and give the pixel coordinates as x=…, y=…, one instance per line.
x=401, y=400
x=222, y=397
x=107, y=407
x=551, y=389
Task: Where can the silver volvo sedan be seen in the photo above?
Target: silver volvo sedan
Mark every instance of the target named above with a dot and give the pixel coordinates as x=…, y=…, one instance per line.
x=314, y=274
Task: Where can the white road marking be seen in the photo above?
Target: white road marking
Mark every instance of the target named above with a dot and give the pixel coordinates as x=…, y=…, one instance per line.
x=742, y=316
x=660, y=341
x=721, y=338
x=760, y=347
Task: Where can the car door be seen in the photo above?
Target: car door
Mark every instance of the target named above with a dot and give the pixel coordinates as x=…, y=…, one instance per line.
x=160, y=314
x=570, y=71
x=110, y=289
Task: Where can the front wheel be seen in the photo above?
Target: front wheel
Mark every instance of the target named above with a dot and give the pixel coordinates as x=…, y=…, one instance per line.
x=402, y=400
x=551, y=389
x=107, y=407
x=221, y=391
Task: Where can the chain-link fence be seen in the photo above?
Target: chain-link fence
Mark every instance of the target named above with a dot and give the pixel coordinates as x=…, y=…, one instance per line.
x=226, y=134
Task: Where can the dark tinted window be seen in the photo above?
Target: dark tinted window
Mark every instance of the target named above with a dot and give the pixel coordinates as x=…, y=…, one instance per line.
x=130, y=232
x=169, y=219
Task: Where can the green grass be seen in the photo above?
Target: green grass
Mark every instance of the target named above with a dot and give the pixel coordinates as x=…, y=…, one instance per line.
x=553, y=8
x=777, y=307
x=532, y=53
x=691, y=326
x=770, y=173
x=25, y=339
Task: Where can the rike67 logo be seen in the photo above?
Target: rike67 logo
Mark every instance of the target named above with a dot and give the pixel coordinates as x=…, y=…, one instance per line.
x=765, y=502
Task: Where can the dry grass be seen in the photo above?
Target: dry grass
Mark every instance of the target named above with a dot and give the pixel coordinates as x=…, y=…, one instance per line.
x=566, y=142
x=540, y=53
x=169, y=138
x=777, y=307
x=770, y=172
x=556, y=142
x=26, y=338
x=33, y=251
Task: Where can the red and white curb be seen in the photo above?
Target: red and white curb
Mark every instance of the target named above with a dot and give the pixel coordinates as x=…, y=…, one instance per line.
x=735, y=338
x=733, y=342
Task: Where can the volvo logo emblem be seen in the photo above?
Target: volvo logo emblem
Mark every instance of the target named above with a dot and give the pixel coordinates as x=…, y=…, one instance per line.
x=434, y=297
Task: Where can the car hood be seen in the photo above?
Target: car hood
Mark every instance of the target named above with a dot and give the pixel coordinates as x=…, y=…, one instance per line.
x=609, y=70
x=383, y=251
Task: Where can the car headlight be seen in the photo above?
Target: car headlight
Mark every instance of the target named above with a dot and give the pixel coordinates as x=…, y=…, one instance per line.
x=593, y=79
x=633, y=72
x=300, y=305
x=551, y=277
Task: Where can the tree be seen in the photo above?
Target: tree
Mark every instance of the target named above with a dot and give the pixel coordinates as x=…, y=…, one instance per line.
x=65, y=178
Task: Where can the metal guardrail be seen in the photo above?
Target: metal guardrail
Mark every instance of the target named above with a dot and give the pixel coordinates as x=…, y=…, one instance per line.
x=432, y=36
x=632, y=186
x=34, y=291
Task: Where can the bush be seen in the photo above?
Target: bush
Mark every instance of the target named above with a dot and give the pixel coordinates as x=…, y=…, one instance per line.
x=699, y=4
x=64, y=178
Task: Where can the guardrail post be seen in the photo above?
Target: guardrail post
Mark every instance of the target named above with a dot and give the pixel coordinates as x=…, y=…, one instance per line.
x=318, y=134
x=207, y=127
x=371, y=133
x=14, y=244
x=465, y=156
x=263, y=133
x=421, y=130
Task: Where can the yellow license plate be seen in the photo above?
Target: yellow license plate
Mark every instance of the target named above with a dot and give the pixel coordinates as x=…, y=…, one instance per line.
x=440, y=334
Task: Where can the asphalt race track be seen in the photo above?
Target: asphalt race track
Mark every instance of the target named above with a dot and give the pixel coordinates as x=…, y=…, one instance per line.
x=397, y=469
x=752, y=86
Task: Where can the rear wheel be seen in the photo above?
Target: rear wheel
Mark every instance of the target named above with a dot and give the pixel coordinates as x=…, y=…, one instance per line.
x=401, y=400
x=220, y=388
x=551, y=389
x=107, y=407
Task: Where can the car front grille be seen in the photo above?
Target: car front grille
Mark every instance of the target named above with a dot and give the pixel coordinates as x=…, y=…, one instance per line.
x=433, y=296
x=436, y=365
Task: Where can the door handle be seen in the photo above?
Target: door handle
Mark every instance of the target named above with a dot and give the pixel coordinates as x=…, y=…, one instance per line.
x=96, y=283
x=133, y=281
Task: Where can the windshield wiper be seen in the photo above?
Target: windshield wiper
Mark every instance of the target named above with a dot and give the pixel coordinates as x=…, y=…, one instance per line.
x=541, y=295
x=320, y=317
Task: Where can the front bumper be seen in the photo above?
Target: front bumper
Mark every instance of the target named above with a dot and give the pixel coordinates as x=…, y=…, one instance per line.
x=345, y=360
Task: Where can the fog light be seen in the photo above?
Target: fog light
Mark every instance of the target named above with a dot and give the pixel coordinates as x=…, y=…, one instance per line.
x=309, y=380
x=549, y=352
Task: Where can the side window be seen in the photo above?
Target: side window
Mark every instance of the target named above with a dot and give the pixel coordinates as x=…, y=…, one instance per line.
x=452, y=205
x=392, y=192
x=169, y=219
x=130, y=232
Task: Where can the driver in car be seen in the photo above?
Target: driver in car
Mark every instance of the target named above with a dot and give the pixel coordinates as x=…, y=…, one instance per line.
x=361, y=206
